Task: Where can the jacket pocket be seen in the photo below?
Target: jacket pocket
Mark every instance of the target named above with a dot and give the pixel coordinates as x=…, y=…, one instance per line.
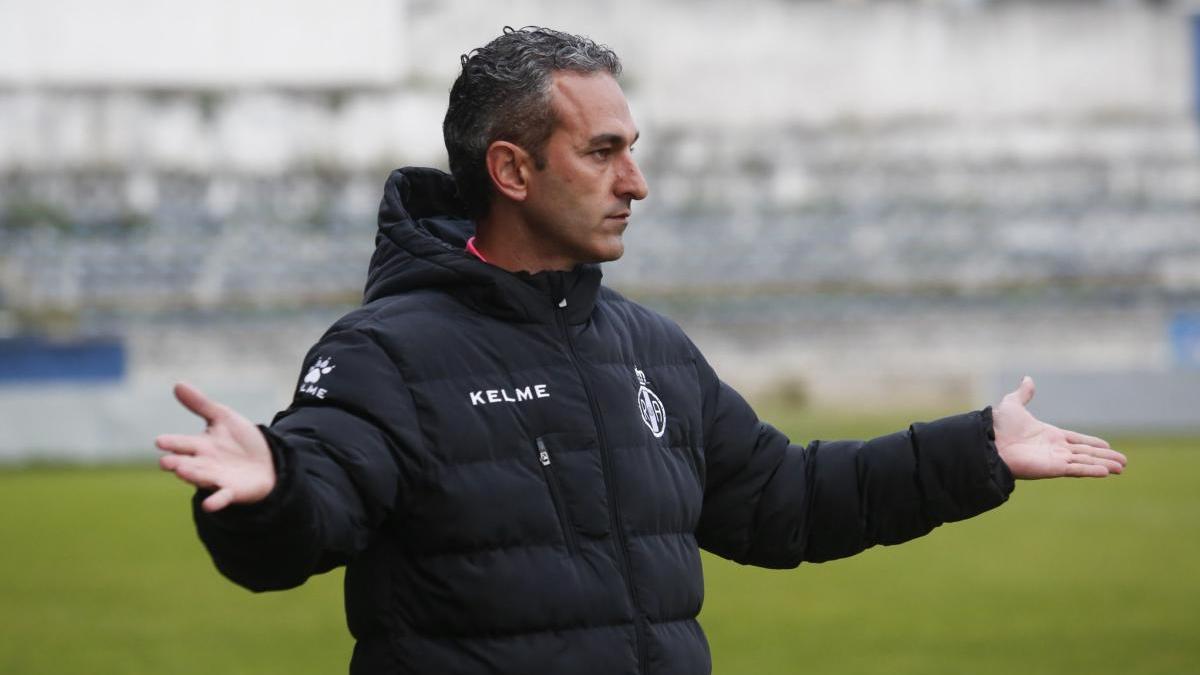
x=546, y=460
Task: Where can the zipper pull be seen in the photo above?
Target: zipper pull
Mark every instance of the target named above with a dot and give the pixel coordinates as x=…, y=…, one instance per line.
x=543, y=453
x=562, y=303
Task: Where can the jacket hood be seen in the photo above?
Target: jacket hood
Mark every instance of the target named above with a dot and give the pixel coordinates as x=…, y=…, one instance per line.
x=421, y=244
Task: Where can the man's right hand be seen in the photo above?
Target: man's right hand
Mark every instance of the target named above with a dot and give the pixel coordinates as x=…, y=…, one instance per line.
x=230, y=457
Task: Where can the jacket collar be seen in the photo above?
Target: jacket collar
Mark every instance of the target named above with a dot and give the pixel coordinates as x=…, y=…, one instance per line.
x=423, y=232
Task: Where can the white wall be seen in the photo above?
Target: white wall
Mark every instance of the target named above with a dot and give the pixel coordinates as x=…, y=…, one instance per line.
x=816, y=62
x=772, y=61
x=173, y=43
x=701, y=62
x=76, y=82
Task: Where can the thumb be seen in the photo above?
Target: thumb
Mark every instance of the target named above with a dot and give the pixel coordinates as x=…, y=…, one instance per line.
x=1026, y=390
x=194, y=400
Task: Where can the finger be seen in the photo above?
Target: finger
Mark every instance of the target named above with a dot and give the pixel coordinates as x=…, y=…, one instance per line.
x=168, y=462
x=1026, y=390
x=218, y=500
x=1103, y=453
x=194, y=400
x=1108, y=464
x=1085, y=471
x=196, y=471
x=1076, y=437
x=184, y=470
x=179, y=443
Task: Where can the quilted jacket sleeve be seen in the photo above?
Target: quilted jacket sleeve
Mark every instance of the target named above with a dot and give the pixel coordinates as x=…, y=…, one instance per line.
x=773, y=504
x=338, y=465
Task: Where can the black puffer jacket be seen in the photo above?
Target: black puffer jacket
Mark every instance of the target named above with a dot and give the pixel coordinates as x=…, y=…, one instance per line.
x=520, y=471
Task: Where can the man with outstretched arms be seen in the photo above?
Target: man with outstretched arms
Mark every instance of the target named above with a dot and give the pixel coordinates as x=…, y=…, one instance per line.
x=517, y=465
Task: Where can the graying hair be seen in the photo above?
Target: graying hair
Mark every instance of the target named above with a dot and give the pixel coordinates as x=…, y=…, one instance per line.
x=503, y=94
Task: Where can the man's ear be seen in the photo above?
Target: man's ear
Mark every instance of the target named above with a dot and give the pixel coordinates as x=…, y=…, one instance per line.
x=508, y=165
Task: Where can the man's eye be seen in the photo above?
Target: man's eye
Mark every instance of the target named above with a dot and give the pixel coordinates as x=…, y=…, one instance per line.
x=602, y=153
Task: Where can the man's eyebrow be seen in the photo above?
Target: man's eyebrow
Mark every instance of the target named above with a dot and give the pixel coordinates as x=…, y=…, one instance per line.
x=612, y=139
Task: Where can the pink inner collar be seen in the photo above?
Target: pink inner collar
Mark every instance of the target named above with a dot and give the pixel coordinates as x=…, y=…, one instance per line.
x=474, y=251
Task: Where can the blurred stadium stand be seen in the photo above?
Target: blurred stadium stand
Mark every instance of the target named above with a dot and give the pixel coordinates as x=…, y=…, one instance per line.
x=881, y=204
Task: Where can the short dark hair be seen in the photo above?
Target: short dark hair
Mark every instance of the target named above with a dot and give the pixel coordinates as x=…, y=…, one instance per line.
x=503, y=94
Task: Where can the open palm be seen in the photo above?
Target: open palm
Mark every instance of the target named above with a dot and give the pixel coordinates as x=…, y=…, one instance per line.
x=1033, y=449
x=230, y=457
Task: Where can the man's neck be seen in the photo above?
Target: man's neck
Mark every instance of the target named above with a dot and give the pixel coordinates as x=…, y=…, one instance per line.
x=510, y=245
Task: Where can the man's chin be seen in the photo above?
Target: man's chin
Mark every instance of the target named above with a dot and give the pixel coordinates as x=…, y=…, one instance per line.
x=610, y=251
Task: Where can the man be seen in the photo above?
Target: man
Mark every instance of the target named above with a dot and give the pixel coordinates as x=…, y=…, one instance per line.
x=517, y=465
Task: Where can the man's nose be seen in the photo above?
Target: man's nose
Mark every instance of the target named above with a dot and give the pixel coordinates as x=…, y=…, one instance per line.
x=631, y=183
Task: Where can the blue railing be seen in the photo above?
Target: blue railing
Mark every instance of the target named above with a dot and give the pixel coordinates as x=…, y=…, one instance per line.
x=1185, y=339
x=33, y=359
x=1196, y=66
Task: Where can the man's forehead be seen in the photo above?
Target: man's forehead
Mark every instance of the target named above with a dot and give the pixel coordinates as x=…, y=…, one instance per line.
x=591, y=104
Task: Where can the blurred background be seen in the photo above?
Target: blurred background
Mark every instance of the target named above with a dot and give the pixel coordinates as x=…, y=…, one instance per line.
x=859, y=210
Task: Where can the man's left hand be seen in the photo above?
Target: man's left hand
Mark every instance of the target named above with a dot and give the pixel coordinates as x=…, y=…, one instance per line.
x=1033, y=449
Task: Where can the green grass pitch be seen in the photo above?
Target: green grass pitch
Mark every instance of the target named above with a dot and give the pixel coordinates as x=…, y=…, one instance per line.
x=101, y=572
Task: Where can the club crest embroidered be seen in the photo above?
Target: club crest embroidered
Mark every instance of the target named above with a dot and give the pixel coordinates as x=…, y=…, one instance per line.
x=651, y=406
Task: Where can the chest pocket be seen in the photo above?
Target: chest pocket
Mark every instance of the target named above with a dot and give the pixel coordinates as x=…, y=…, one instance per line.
x=574, y=472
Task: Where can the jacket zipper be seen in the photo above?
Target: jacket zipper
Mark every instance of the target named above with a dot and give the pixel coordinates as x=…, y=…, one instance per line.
x=556, y=496
x=615, y=510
